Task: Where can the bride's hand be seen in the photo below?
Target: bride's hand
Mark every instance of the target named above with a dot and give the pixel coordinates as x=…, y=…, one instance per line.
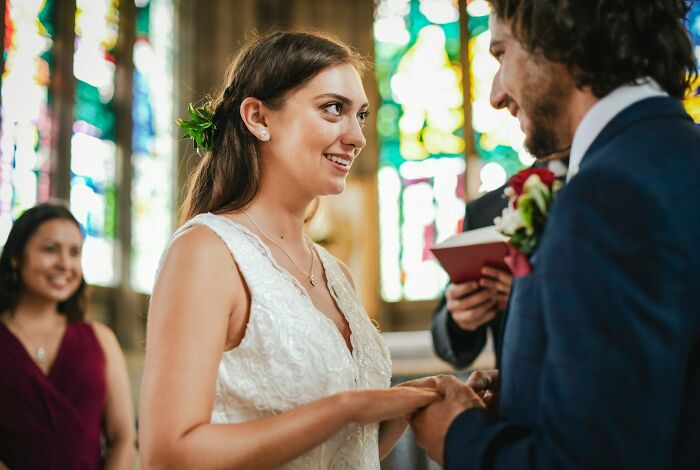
x=372, y=406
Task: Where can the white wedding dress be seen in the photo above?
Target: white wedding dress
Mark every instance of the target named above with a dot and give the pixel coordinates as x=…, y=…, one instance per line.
x=292, y=354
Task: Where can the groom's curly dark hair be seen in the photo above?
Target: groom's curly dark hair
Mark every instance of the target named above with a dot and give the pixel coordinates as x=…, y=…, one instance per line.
x=607, y=43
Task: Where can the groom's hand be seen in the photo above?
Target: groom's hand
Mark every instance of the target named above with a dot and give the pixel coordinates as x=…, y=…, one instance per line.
x=430, y=424
x=486, y=384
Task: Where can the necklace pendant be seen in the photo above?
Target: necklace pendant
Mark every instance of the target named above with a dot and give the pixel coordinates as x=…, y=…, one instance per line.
x=312, y=281
x=41, y=355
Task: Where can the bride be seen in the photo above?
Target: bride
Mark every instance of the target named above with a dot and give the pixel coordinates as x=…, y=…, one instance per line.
x=259, y=353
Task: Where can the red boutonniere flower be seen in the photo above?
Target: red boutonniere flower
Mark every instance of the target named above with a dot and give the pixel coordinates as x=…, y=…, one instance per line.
x=530, y=194
x=517, y=182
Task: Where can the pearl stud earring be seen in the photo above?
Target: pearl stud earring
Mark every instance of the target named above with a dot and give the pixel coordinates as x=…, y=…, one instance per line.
x=264, y=135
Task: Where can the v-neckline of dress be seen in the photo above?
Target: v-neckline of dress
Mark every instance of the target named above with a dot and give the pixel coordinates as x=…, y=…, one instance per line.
x=302, y=289
x=28, y=356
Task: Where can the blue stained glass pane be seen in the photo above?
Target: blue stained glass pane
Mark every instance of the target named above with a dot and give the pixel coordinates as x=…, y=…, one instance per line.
x=142, y=115
x=153, y=150
x=692, y=103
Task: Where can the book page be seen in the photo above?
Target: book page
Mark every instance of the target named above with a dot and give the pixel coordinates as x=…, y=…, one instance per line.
x=473, y=237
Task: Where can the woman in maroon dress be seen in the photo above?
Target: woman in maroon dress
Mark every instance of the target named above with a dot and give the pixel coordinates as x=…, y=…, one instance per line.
x=63, y=381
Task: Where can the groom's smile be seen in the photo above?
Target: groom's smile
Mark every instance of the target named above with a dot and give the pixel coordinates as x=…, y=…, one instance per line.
x=537, y=91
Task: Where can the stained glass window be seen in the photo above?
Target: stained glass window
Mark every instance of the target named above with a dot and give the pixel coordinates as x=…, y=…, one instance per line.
x=692, y=104
x=420, y=126
x=26, y=108
x=419, y=123
x=93, y=149
x=498, y=140
x=152, y=151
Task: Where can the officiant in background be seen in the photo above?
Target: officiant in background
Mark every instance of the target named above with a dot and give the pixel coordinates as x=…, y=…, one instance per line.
x=471, y=311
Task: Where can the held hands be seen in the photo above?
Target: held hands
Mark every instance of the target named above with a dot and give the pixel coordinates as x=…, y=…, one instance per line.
x=486, y=384
x=371, y=406
x=430, y=425
x=473, y=304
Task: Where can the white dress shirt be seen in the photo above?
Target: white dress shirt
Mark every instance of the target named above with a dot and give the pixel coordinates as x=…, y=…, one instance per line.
x=603, y=112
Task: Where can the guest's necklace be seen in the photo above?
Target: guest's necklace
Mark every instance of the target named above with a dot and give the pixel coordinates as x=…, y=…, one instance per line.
x=310, y=275
x=40, y=355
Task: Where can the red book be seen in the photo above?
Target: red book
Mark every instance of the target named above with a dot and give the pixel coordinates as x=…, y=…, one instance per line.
x=463, y=255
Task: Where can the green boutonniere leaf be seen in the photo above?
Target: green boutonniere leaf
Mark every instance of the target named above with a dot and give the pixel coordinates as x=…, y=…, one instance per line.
x=530, y=195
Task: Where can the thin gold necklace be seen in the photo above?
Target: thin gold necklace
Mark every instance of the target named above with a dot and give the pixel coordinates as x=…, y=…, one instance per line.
x=310, y=275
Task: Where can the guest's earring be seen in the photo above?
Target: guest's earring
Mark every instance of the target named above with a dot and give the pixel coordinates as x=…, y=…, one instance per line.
x=14, y=275
x=264, y=135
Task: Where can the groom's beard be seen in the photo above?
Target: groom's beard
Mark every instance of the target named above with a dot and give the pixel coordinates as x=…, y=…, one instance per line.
x=544, y=102
x=558, y=154
x=544, y=143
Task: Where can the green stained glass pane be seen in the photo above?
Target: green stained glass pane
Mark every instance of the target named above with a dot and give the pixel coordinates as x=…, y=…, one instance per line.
x=478, y=25
x=498, y=139
x=90, y=108
x=420, y=127
x=93, y=148
x=45, y=18
x=143, y=20
x=110, y=223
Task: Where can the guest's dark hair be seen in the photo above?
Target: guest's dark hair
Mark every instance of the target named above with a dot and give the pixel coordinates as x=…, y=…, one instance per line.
x=607, y=43
x=267, y=68
x=22, y=230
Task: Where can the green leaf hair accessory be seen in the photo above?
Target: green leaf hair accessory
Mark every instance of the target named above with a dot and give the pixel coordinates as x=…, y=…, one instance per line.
x=200, y=128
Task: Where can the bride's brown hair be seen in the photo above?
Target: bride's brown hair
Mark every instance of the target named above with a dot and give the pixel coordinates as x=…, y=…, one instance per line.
x=267, y=68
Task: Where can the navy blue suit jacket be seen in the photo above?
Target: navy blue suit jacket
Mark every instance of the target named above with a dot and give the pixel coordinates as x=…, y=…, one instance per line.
x=601, y=349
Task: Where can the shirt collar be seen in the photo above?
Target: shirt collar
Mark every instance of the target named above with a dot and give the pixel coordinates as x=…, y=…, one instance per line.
x=603, y=112
x=557, y=167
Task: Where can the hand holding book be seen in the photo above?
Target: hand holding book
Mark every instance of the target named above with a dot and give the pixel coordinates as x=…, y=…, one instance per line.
x=470, y=305
x=464, y=255
x=480, y=277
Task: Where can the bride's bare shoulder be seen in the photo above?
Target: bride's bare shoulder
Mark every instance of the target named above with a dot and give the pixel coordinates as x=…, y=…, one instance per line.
x=198, y=256
x=197, y=242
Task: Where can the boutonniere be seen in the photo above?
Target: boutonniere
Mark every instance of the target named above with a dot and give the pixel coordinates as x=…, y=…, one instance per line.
x=530, y=194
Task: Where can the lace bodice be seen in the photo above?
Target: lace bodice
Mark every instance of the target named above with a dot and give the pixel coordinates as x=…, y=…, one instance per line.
x=292, y=354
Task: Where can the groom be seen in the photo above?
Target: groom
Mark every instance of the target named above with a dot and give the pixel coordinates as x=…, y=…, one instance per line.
x=601, y=351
